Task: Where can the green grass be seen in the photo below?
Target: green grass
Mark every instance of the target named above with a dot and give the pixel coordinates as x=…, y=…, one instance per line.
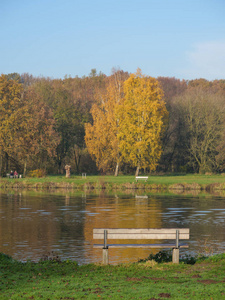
x=148, y=280
x=166, y=182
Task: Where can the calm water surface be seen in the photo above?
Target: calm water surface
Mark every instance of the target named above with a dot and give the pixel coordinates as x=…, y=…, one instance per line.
x=33, y=224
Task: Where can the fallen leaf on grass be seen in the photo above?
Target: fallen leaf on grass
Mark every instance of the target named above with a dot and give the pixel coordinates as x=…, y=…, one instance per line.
x=208, y=281
x=164, y=295
x=133, y=279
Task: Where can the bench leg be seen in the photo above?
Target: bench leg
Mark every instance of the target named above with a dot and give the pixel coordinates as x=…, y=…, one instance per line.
x=105, y=256
x=175, y=255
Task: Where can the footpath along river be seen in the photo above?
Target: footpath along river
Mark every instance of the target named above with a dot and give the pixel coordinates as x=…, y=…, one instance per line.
x=33, y=224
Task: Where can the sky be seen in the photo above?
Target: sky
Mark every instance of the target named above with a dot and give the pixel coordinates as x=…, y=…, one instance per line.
x=184, y=39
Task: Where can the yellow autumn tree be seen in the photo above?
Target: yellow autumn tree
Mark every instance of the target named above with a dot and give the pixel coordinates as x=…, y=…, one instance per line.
x=102, y=136
x=142, y=120
x=26, y=126
x=11, y=109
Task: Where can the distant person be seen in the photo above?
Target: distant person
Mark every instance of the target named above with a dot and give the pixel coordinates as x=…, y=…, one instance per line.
x=15, y=174
x=11, y=174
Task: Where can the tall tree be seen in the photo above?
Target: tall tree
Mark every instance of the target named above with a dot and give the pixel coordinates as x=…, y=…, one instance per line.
x=12, y=111
x=142, y=118
x=82, y=94
x=37, y=136
x=171, y=155
x=102, y=137
x=26, y=127
x=203, y=116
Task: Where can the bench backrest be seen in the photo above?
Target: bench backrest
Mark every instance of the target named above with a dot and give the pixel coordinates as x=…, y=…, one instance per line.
x=141, y=234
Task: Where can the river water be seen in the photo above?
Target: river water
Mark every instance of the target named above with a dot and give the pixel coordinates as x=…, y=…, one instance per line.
x=34, y=224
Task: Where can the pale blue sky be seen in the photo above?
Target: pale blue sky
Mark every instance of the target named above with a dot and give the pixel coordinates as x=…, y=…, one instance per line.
x=176, y=38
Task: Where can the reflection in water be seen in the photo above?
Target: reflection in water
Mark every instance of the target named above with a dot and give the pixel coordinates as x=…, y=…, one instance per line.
x=121, y=213
x=33, y=224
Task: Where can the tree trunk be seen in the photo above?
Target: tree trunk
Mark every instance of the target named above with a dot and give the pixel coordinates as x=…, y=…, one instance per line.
x=6, y=162
x=59, y=166
x=1, y=160
x=25, y=167
x=137, y=170
x=77, y=157
x=117, y=169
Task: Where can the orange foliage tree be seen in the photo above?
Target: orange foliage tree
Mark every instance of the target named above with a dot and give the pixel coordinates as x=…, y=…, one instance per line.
x=102, y=137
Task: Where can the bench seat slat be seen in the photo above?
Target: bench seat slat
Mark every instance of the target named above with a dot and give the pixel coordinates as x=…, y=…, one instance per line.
x=142, y=233
x=141, y=230
x=133, y=233
x=141, y=245
x=152, y=236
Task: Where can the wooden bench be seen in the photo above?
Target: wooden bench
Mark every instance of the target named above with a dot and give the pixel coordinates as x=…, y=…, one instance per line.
x=175, y=234
x=141, y=178
x=13, y=176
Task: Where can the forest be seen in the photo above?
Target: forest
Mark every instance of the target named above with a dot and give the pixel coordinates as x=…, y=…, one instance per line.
x=118, y=124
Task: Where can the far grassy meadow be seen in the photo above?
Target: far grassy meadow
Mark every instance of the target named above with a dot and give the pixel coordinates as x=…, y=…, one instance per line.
x=121, y=182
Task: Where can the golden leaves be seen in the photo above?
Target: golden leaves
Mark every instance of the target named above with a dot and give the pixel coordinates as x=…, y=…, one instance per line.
x=128, y=123
x=142, y=117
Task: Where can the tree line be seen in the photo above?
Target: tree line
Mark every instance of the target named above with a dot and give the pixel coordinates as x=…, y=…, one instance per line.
x=110, y=124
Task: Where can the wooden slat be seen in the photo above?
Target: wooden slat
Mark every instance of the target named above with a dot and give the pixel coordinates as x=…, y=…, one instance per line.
x=151, y=236
x=141, y=246
x=133, y=233
x=140, y=230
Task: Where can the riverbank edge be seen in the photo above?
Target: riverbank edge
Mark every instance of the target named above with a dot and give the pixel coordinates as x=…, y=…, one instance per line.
x=104, y=185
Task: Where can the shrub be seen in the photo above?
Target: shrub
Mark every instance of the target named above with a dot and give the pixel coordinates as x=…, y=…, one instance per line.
x=160, y=257
x=166, y=256
x=188, y=259
x=37, y=173
x=50, y=256
x=5, y=257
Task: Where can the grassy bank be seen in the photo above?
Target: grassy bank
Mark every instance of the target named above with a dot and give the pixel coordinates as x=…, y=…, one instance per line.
x=165, y=182
x=147, y=280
